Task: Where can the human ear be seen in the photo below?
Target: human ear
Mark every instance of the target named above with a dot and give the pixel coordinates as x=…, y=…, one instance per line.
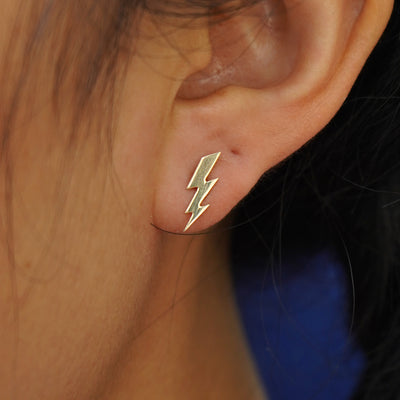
x=278, y=73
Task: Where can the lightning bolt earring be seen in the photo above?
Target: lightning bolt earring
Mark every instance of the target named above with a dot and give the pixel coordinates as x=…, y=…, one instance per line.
x=198, y=181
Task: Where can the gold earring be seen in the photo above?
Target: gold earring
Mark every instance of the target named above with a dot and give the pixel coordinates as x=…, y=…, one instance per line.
x=198, y=181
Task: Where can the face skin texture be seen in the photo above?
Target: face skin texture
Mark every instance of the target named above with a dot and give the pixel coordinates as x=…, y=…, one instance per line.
x=95, y=301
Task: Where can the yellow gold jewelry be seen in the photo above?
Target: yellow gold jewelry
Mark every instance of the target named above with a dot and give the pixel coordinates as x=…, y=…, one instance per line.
x=203, y=187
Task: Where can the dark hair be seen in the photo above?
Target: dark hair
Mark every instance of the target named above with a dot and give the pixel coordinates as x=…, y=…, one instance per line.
x=346, y=181
x=344, y=187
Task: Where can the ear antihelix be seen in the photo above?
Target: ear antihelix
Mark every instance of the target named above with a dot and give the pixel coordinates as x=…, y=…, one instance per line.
x=202, y=186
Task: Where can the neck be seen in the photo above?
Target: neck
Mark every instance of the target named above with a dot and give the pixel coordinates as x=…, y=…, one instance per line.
x=190, y=343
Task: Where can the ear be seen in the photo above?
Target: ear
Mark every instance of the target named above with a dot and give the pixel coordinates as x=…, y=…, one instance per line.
x=279, y=72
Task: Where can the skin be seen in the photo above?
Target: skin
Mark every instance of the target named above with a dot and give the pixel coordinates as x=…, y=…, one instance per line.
x=95, y=301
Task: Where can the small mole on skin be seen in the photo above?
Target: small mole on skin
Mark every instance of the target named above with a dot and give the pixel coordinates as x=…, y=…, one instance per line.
x=235, y=152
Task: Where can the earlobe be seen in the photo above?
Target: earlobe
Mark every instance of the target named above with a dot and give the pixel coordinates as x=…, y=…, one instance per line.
x=256, y=122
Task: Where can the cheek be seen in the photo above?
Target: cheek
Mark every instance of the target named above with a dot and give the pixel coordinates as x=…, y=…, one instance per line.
x=82, y=262
x=68, y=318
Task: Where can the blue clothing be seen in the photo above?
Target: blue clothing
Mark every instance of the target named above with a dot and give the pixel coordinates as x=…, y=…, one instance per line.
x=297, y=319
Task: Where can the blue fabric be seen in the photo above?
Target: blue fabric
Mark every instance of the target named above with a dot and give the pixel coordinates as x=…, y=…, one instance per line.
x=296, y=317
